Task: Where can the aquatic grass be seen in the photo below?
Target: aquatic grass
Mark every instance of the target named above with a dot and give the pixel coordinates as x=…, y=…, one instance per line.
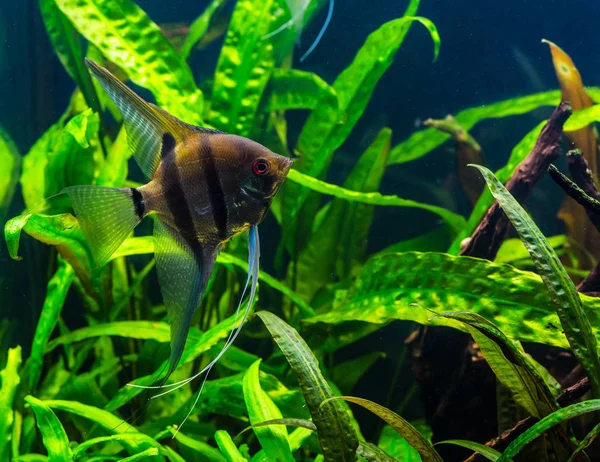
x=55, y=438
x=10, y=379
x=10, y=159
x=564, y=295
x=336, y=436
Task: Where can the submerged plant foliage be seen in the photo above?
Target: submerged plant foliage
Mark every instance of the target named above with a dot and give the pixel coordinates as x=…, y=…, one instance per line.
x=284, y=392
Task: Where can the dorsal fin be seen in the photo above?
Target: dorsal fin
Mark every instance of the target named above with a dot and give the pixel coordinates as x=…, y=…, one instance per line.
x=145, y=123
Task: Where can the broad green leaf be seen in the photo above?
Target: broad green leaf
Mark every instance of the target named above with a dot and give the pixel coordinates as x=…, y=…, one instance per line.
x=10, y=159
x=575, y=122
x=568, y=305
x=273, y=439
x=322, y=135
x=130, y=39
x=115, y=169
x=547, y=423
x=109, y=422
x=67, y=45
x=33, y=176
x=74, y=157
x=342, y=225
x=396, y=445
x=56, y=294
x=10, y=380
x=54, y=436
x=512, y=367
x=336, y=436
x=244, y=67
x=455, y=221
x=401, y=286
x=295, y=89
x=486, y=451
x=61, y=231
x=403, y=427
x=158, y=331
x=228, y=447
x=199, y=28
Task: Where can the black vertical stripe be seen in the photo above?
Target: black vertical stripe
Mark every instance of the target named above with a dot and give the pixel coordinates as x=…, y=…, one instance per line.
x=176, y=200
x=138, y=202
x=215, y=190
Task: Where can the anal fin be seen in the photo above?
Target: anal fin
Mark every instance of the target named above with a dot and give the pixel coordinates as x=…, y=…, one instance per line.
x=184, y=267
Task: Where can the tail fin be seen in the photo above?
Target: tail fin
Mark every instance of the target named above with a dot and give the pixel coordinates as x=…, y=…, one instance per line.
x=106, y=216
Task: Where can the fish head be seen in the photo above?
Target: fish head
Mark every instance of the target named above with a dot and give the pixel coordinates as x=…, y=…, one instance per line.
x=260, y=172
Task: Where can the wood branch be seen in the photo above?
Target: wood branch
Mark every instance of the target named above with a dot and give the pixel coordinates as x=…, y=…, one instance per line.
x=494, y=227
x=468, y=151
x=568, y=396
x=582, y=173
x=591, y=205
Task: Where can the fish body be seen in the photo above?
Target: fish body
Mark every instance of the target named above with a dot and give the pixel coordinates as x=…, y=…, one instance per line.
x=204, y=188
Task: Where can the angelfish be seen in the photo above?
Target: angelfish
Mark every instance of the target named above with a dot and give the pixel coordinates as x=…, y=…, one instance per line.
x=205, y=187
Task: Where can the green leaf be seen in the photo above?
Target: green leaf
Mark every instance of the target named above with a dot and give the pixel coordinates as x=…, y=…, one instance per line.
x=56, y=294
x=158, y=331
x=141, y=455
x=109, y=422
x=390, y=286
x=31, y=458
x=228, y=447
x=372, y=453
x=199, y=28
x=274, y=440
x=346, y=374
x=208, y=452
x=486, y=451
x=115, y=169
x=295, y=89
x=403, y=427
x=563, y=293
x=10, y=159
x=585, y=442
x=342, y=225
x=10, y=381
x=547, y=423
x=244, y=67
x=336, y=436
x=322, y=135
x=54, y=435
x=129, y=38
x=455, y=221
x=512, y=367
x=425, y=141
x=396, y=445
x=67, y=46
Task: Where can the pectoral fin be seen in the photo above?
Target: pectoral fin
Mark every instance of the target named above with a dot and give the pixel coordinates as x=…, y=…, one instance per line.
x=183, y=267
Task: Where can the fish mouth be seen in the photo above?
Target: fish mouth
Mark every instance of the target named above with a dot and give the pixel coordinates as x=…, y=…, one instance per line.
x=287, y=165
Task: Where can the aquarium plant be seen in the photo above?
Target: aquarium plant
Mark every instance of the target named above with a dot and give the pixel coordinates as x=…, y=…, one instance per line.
x=491, y=304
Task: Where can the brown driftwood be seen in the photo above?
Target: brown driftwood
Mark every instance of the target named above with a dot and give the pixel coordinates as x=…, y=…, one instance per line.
x=491, y=232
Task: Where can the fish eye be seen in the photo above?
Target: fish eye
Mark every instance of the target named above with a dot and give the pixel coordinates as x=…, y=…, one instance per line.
x=260, y=166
